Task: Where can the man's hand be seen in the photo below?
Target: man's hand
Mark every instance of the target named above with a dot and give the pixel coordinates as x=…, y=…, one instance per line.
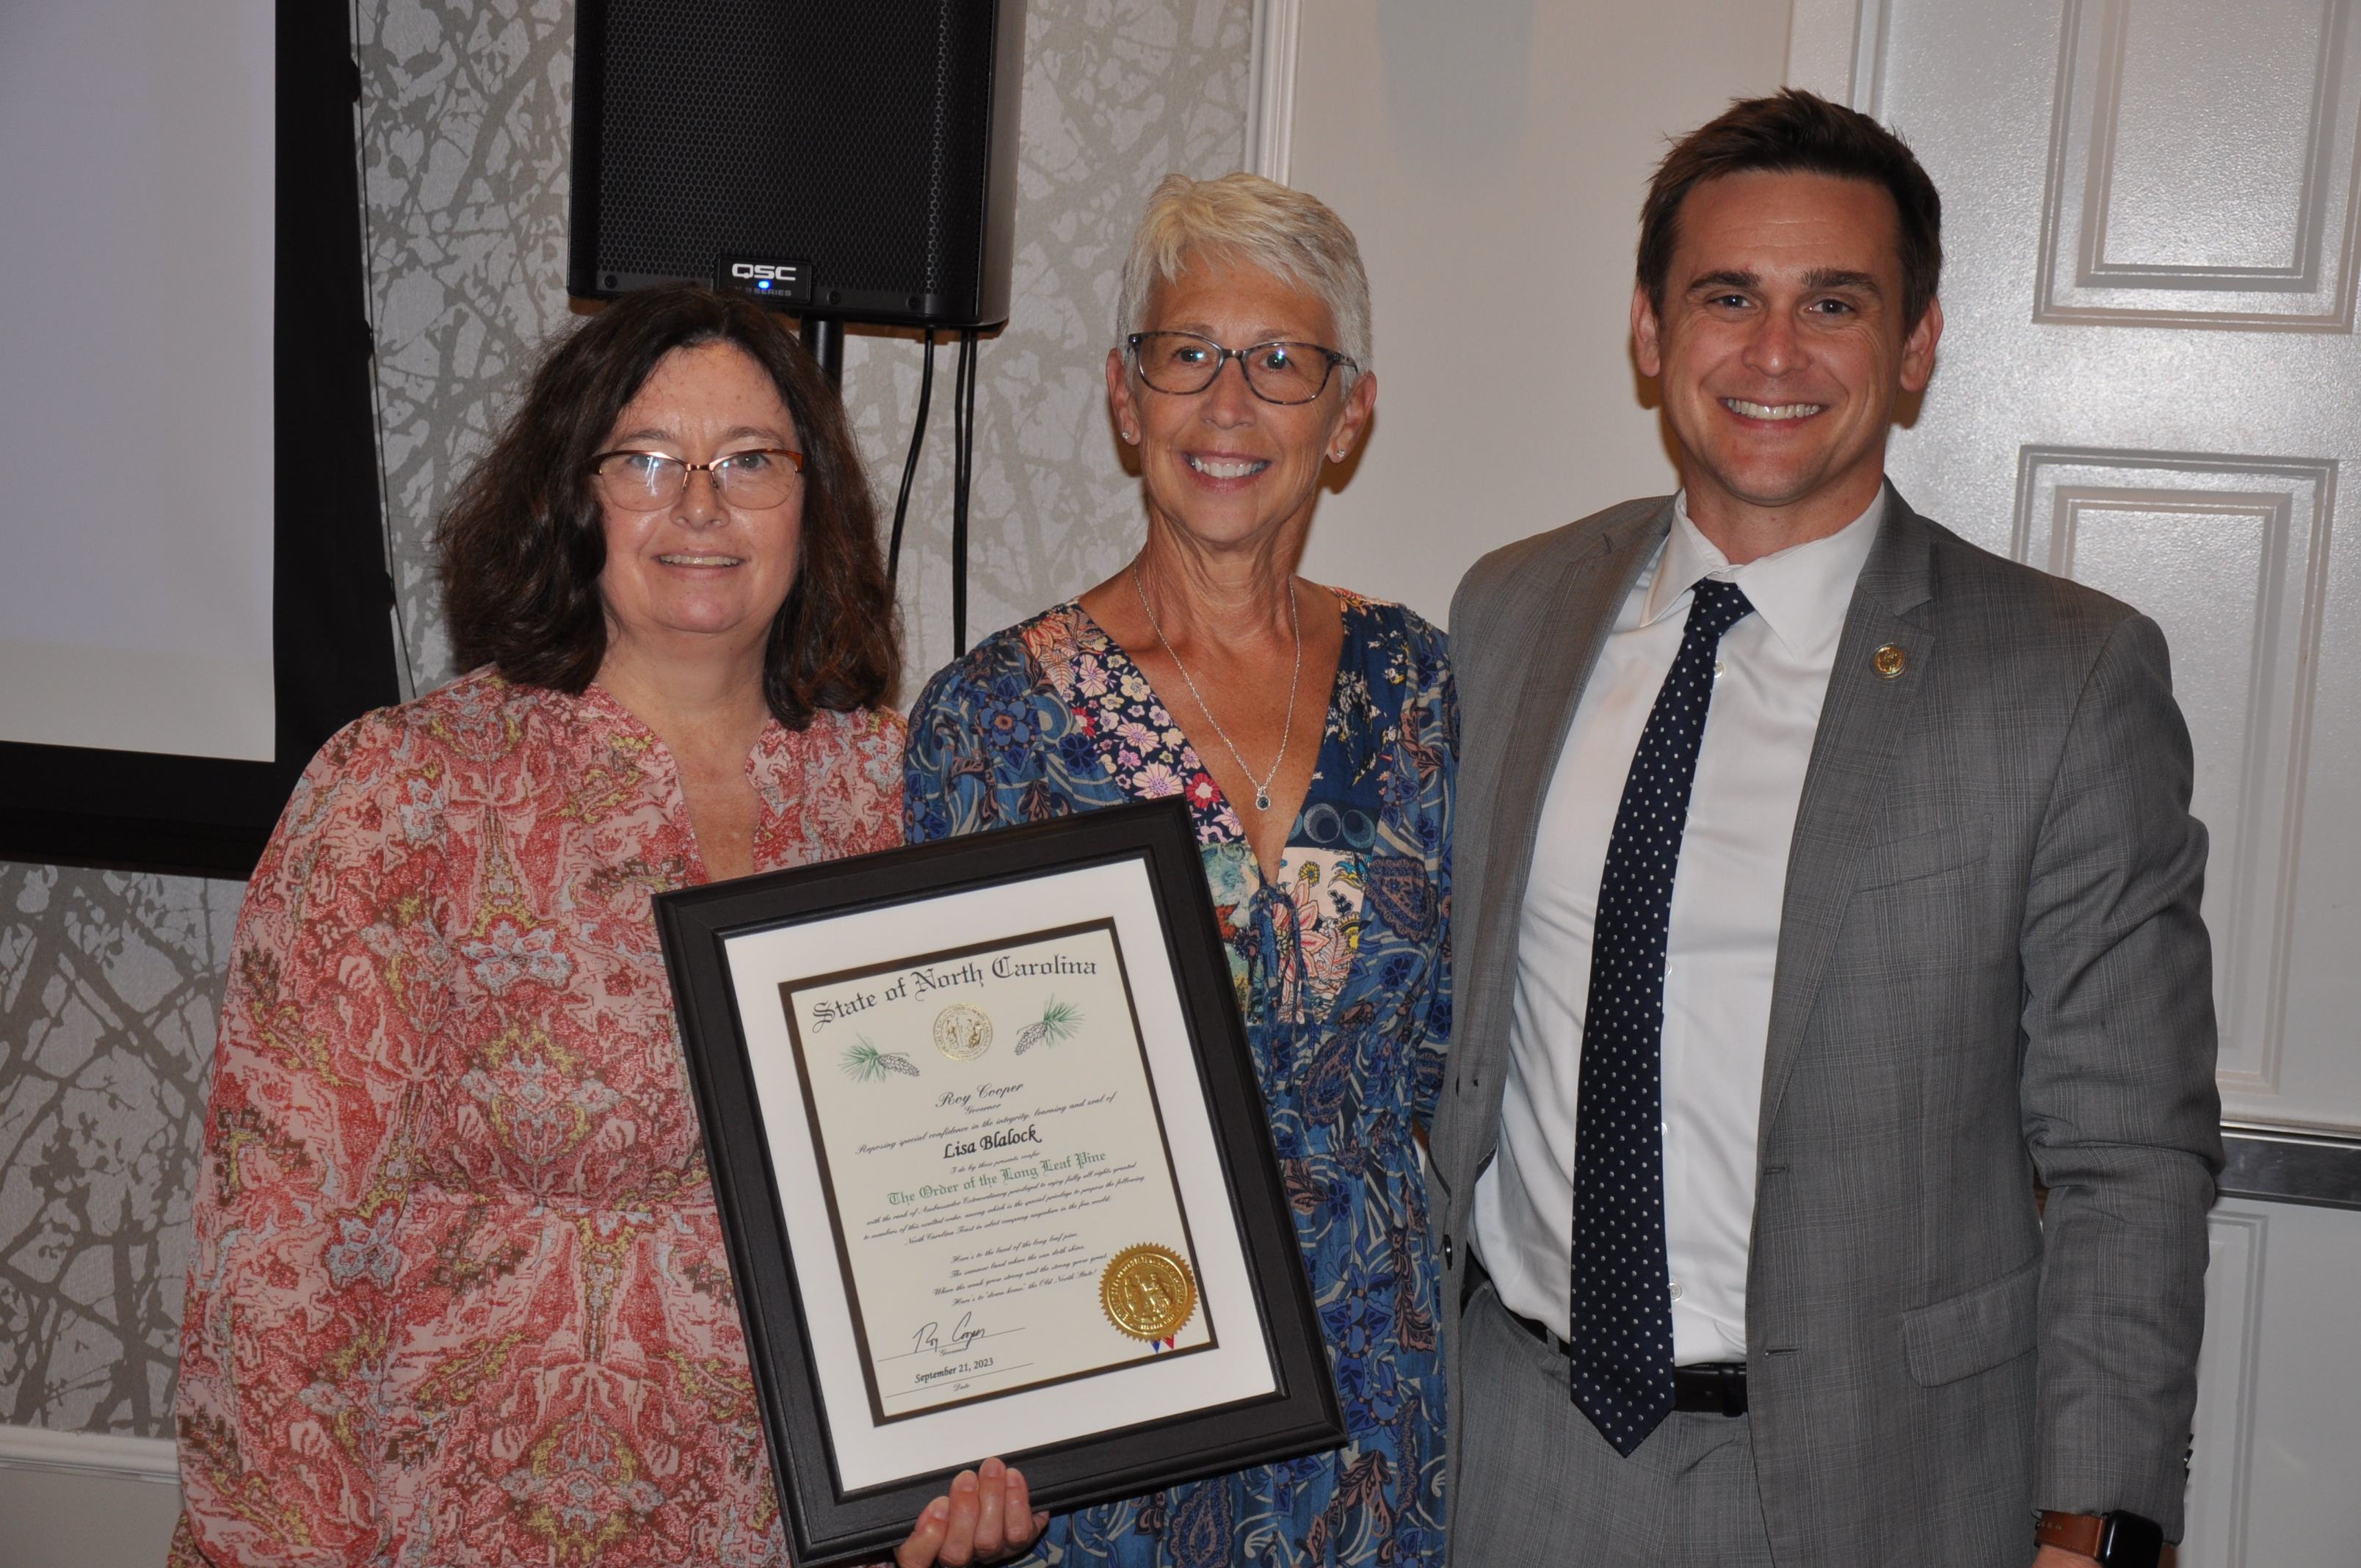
x=2058, y=1557
x=988, y=1518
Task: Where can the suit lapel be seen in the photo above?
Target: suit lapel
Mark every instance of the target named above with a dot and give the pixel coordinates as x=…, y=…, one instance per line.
x=1846, y=783
x=1566, y=641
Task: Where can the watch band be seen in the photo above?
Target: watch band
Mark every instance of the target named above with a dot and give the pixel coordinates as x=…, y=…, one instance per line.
x=2116, y=1539
x=2084, y=1533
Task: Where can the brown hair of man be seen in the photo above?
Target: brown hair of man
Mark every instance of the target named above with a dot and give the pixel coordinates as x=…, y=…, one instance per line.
x=1794, y=132
x=523, y=543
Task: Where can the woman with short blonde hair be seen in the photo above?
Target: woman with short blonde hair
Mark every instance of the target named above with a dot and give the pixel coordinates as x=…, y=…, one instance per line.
x=1314, y=733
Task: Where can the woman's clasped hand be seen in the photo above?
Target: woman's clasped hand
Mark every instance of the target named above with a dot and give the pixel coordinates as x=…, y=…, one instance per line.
x=987, y=1517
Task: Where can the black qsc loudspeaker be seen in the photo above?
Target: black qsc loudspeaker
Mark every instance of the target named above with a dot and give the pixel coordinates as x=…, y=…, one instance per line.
x=848, y=160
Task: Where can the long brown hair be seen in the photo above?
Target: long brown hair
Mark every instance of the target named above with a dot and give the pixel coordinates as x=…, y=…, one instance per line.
x=522, y=547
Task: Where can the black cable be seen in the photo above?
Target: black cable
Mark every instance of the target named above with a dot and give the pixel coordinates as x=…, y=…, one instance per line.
x=910, y=465
x=963, y=471
x=974, y=379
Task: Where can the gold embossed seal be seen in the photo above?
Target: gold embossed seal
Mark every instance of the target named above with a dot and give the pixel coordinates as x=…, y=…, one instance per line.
x=1147, y=1292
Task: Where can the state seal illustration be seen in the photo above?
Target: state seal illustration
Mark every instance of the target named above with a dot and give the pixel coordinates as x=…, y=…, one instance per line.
x=962, y=1033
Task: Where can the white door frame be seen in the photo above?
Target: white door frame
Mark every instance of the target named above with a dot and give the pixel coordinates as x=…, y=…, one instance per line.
x=1270, y=86
x=1837, y=49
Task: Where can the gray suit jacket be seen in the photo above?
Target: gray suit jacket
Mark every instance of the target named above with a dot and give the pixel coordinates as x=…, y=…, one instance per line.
x=1991, y=971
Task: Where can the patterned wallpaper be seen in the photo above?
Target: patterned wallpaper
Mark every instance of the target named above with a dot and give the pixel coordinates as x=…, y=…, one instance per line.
x=109, y=989
x=110, y=984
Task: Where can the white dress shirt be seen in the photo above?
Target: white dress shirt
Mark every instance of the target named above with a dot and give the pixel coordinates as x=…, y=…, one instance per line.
x=1723, y=944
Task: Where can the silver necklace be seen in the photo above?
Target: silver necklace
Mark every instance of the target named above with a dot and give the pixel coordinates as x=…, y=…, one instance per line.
x=1295, y=627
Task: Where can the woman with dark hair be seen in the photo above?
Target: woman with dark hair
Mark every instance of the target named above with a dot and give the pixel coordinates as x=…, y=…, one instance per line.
x=458, y=1293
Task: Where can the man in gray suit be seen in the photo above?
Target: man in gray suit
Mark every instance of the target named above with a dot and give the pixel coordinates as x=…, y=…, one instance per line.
x=1823, y=885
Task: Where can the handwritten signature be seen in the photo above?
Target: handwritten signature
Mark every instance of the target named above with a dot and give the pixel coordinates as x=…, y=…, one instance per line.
x=930, y=1337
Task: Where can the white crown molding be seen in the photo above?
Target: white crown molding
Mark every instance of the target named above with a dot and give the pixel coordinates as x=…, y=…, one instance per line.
x=1837, y=49
x=1270, y=87
x=91, y=1454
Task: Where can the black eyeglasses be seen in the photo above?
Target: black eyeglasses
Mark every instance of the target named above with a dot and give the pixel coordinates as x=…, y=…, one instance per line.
x=1183, y=363
x=651, y=481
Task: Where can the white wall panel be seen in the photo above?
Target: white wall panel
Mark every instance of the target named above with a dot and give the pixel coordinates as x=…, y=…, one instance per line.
x=2202, y=165
x=2279, y=1403
x=2223, y=1438
x=2227, y=555
x=1491, y=156
x=51, y=1518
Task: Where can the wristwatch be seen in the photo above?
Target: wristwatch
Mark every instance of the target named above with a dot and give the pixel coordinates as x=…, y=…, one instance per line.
x=2116, y=1540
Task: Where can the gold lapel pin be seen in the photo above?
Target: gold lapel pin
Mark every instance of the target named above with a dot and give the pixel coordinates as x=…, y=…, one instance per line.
x=1888, y=661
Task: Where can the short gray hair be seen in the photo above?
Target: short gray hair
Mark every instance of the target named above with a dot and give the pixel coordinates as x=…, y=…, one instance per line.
x=1245, y=218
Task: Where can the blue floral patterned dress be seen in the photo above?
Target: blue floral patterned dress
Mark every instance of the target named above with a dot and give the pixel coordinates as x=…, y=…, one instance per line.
x=1342, y=971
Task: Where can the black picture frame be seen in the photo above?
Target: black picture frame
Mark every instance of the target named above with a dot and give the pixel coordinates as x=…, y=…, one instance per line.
x=826, y=1523
x=333, y=647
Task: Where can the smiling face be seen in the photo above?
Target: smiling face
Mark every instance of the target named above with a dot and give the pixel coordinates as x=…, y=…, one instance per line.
x=1222, y=465
x=701, y=576
x=1781, y=349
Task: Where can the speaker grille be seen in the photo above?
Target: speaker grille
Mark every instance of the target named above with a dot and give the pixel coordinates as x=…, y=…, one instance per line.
x=833, y=133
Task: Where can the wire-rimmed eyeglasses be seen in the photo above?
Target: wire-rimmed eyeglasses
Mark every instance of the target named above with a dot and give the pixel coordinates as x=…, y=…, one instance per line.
x=651, y=481
x=1183, y=363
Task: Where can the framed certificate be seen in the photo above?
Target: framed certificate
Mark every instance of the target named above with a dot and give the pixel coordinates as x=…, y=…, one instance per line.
x=992, y=1163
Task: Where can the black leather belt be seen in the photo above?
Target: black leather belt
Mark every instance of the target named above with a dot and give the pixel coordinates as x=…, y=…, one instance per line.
x=1719, y=1387
x=1715, y=1388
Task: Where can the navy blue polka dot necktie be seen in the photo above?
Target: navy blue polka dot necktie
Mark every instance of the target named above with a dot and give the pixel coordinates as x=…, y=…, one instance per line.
x=1619, y=1328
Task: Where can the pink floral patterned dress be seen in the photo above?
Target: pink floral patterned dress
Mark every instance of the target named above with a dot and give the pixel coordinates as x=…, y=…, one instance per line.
x=458, y=1294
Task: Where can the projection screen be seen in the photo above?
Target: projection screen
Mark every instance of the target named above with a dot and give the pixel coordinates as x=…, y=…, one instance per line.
x=136, y=239
x=194, y=588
